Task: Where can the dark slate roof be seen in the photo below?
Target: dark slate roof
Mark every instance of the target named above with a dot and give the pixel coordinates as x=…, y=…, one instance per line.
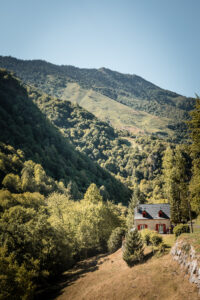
x=152, y=211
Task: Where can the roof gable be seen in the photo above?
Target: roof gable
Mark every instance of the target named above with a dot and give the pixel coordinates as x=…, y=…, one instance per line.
x=152, y=211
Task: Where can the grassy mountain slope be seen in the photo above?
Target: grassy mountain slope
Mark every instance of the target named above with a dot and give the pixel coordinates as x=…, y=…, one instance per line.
x=23, y=126
x=100, y=91
x=115, y=113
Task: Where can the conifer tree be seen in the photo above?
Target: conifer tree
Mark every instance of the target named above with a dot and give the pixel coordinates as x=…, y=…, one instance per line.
x=176, y=177
x=133, y=249
x=130, y=215
x=93, y=194
x=194, y=126
x=183, y=174
x=134, y=201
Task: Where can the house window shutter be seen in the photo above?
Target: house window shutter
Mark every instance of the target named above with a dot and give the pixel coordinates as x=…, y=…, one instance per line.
x=138, y=227
x=164, y=228
x=156, y=227
x=144, y=213
x=145, y=225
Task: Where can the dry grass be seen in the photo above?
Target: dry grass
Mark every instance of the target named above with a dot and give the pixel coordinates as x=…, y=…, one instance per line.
x=111, y=279
x=169, y=239
x=192, y=239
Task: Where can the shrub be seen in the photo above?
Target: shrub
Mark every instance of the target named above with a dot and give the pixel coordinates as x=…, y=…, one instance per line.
x=156, y=239
x=133, y=249
x=146, y=236
x=181, y=228
x=115, y=239
x=151, y=237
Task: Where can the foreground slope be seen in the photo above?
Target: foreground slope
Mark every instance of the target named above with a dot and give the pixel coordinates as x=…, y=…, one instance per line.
x=112, y=96
x=109, y=278
x=23, y=126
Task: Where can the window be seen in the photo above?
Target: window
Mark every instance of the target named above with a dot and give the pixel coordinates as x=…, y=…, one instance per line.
x=142, y=226
x=161, y=228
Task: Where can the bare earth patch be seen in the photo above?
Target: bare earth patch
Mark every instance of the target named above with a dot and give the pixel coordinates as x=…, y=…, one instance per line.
x=108, y=277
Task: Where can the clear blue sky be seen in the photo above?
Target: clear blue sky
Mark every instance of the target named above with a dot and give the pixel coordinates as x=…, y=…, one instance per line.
x=156, y=39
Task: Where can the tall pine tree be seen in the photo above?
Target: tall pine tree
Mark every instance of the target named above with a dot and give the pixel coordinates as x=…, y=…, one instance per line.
x=136, y=199
x=176, y=173
x=194, y=126
x=133, y=248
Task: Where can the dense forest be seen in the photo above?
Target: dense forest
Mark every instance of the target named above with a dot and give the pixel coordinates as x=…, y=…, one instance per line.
x=165, y=109
x=43, y=231
x=69, y=181
x=23, y=126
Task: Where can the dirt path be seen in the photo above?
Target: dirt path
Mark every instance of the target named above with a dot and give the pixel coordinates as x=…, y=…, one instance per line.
x=109, y=278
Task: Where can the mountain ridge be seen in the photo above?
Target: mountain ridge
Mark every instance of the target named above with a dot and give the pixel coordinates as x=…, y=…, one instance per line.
x=106, y=85
x=101, y=69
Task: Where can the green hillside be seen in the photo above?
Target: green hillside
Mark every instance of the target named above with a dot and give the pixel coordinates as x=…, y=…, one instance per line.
x=125, y=101
x=135, y=161
x=23, y=126
x=115, y=113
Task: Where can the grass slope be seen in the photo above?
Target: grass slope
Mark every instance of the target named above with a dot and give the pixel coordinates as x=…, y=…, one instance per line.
x=115, y=113
x=108, y=277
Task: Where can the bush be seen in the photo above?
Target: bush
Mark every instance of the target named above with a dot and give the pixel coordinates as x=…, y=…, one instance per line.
x=181, y=228
x=151, y=237
x=115, y=239
x=133, y=249
x=156, y=239
x=146, y=236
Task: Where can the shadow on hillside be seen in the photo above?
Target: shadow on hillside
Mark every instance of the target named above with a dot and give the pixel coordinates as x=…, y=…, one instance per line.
x=54, y=289
x=147, y=256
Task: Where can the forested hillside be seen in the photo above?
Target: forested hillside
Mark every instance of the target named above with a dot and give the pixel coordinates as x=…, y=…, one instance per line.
x=51, y=212
x=23, y=126
x=119, y=158
x=135, y=161
x=101, y=90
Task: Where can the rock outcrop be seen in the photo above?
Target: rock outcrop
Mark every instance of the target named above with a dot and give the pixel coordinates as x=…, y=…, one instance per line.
x=185, y=255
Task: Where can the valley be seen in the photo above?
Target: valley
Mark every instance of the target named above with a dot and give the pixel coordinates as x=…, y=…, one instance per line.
x=99, y=150
x=79, y=150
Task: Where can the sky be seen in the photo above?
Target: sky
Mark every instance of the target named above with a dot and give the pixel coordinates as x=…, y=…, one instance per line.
x=158, y=40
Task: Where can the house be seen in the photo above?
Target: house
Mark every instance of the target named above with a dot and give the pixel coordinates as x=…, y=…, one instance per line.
x=152, y=216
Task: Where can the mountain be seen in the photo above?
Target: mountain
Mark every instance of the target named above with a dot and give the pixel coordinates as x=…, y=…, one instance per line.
x=125, y=101
x=25, y=127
